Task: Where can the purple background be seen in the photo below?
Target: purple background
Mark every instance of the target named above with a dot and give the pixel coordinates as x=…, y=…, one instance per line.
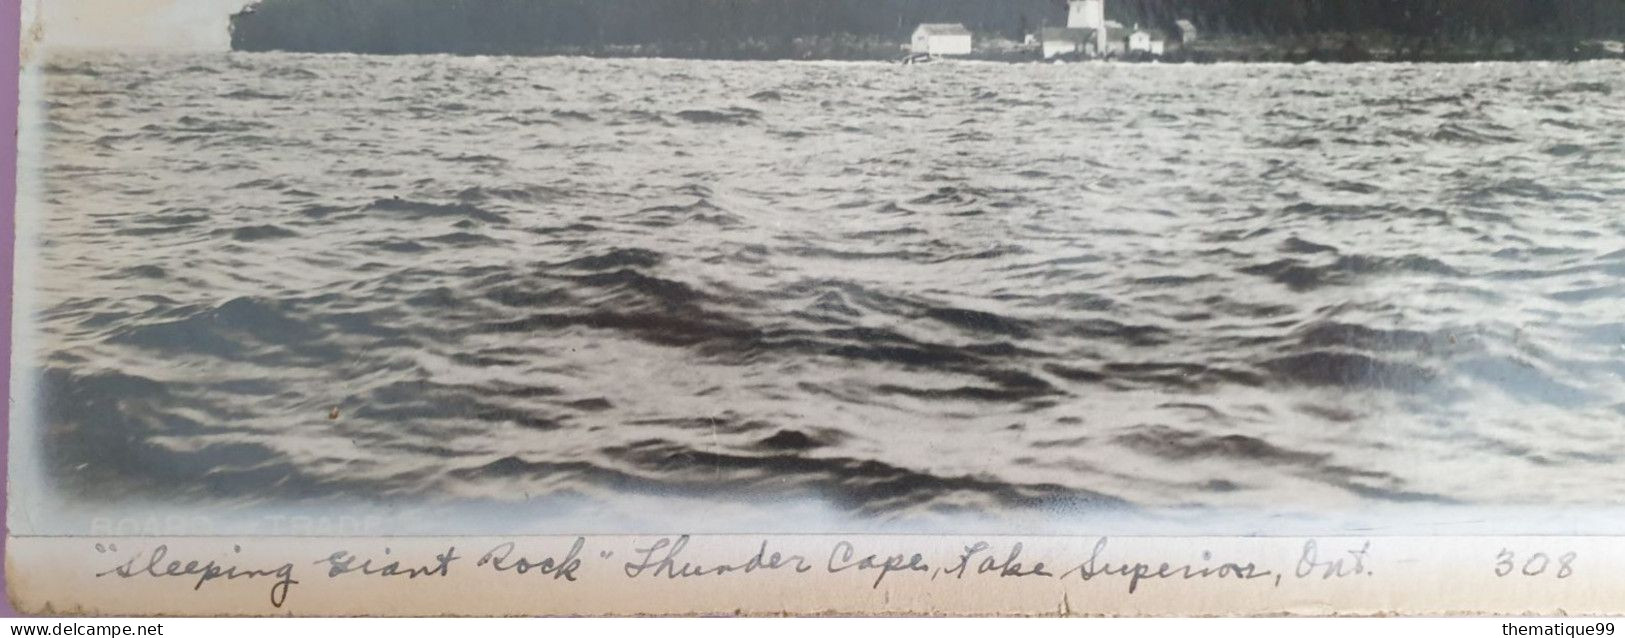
x=12, y=29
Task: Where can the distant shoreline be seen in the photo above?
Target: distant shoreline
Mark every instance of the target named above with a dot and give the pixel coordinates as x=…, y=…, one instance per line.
x=988, y=59
x=1321, y=49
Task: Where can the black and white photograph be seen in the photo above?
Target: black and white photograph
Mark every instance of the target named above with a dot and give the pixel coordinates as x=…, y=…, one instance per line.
x=1157, y=267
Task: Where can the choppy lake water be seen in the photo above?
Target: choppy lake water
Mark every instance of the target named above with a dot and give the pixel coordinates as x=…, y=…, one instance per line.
x=951, y=287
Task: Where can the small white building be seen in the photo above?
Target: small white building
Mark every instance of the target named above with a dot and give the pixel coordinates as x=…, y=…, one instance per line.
x=941, y=39
x=1116, y=39
x=1058, y=42
x=1149, y=41
x=1187, y=31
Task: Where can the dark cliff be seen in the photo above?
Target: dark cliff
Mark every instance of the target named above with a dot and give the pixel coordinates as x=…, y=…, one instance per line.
x=876, y=28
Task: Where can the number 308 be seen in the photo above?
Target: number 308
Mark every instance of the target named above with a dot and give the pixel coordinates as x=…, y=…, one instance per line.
x=1506, y=563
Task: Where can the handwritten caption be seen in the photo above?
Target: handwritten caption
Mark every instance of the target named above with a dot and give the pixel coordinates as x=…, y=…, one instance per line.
x=672, y=558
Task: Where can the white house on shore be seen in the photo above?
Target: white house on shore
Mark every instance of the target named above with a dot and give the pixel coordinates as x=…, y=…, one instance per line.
x=1187, y=31
x=941, y=39
x=1149, y=41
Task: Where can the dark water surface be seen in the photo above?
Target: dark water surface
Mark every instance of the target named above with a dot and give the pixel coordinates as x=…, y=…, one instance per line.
x=953, y=287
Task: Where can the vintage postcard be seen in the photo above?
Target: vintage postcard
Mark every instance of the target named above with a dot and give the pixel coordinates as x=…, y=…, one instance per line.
x=818, y=307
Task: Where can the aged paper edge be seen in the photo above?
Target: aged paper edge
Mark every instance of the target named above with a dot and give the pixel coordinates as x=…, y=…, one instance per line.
x=859, y=575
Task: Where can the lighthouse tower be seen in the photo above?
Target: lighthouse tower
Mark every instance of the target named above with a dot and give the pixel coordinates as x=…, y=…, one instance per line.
x=1088, y=14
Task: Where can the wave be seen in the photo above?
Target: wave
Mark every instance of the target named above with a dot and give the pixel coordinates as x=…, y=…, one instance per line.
x=732, y=115
x=410, y=209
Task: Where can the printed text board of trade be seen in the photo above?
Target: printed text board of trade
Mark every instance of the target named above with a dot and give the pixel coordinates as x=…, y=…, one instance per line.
x=817, y=575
